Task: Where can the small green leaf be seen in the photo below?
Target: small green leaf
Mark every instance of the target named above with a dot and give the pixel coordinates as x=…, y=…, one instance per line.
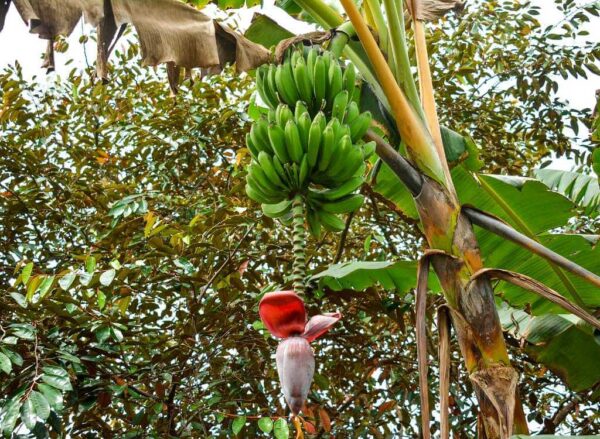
x=11, y=414
x=56, y=370
x=107, y=277
x=281, y=429
x=102, y=334
x=90, y=264
x=238, y=424
x=52, y=395
x=33, y=286
x=40, y=405
x=20, y=299
x=46, y=286
x=5, y=364
x=60, y=383
x=116, y=334
x=26, y=273
x=15, y=358
x=265, y=424
x=85, y=278
x=23, y=331
x=28, y=415
x=69, y=357
x=101, y=299
x=66, y=281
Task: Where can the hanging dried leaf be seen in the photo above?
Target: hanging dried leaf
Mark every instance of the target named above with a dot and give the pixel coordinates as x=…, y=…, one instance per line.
x=443, y=318
x=430, y=10
x=421, y=330
x=539, y=288
x=4, y=5
x=169, y=32
x=49, y=18
x=233, y=47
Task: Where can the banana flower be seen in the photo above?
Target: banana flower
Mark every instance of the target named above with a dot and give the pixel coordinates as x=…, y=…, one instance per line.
x=284, y=315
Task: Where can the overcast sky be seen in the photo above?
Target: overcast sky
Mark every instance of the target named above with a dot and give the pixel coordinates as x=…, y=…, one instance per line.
x=16, y=43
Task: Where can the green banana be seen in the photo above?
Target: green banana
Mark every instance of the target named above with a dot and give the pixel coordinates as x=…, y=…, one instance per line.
x=322, y=120
x=304, y=124
x=292, y=141
x=368, y=149
x=327, y=147
x=349, y=81
x=258, y=180
x=260, y=136
x=314, y=225
x=257, y=196
x=288, y=80
x=353, y=160
x=283, y=114
x=266, y=164
x=314, y=141
x=342, y=154
x=335, y=81
x=264, y=91
x=352, y=112
x=285, y=84
x=360, y=126
x=270, y=78
x=320, y=83
x=295, y=56
x=346, y=188
x=277, y=140
x=343, y=205
x=340, y=102
x=302, y=81
x=281, y=171
x=299, y=110
x=331, y=222
x=303, y=172
x=277, y=210
x=311, y=58
x=251, y=147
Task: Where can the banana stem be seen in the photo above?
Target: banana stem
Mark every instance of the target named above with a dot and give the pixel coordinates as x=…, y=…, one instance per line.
x=340, y=40
x=299, y=244
x=411, y=128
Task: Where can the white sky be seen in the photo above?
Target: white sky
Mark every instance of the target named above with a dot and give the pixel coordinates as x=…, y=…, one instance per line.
x=17, y=44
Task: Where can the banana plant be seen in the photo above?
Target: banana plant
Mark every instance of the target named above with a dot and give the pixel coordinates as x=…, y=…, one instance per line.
x=309, y=161
x=446, y=220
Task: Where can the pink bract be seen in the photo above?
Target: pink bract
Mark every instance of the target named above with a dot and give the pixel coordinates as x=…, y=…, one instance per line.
x=284, y=315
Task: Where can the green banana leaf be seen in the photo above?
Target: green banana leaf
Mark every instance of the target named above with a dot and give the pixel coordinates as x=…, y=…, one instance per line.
x=533, y=209
x=582, y=189
x=266, y=32
x=563, y=343
x=360, y=275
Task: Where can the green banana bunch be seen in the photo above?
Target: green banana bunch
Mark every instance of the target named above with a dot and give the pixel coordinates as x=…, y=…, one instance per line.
x=310, y=141
x=308, y=76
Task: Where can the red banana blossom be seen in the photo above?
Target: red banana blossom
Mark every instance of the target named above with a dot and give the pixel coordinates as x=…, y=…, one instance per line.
x=283, y=313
